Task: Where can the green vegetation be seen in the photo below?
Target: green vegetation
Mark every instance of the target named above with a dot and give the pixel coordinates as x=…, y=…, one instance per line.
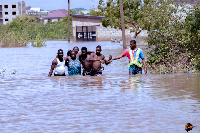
x=39, y=42
x=95, y=13
x=175, y=45
x=23, y=30
x=173, y=41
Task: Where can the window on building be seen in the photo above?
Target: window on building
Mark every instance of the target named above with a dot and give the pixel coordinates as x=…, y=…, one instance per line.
x=6, y=19
x=5, y=6
x=13, y=6
x=13, y=13
x=6, y=13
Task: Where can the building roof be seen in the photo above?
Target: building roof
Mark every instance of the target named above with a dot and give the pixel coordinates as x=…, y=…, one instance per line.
x=61, y=13
x=87, y=16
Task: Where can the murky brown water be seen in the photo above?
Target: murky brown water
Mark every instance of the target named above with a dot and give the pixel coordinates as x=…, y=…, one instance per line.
x=114, y=102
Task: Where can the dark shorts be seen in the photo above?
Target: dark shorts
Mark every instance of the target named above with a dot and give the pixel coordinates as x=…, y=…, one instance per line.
x=133, y=70
x=59, y=74
x=95, y=73
x=86, y=72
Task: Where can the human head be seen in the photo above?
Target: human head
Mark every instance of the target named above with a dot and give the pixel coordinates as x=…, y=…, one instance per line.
x=69, y=52
x=98, y=49
x=76, y=49
x=84, y=50
x=73, y=54
x=60, y=53
x=132, y=44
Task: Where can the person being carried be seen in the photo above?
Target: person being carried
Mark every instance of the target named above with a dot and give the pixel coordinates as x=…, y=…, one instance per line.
x=134, y=54
x=59, y=65
x=73, y=64
x=97, y=60
x=84, y=58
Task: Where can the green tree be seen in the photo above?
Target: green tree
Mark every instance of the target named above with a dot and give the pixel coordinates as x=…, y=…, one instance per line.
x=175, y=45
x=138, y=14
x=93, y=12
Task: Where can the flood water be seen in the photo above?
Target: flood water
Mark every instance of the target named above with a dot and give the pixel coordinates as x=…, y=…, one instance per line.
x=30, y=101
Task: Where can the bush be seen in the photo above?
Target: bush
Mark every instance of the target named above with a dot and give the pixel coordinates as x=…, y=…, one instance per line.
x=39, y=42
x=175, y=47
x=22, y=30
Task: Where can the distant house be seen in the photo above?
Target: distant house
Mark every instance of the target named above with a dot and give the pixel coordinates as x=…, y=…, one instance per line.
x=56, y=15
x=90, y=28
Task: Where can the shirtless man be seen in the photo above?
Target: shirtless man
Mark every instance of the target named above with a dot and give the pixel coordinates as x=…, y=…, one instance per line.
x=98, y=58
x=84, y=58
x=59, y=65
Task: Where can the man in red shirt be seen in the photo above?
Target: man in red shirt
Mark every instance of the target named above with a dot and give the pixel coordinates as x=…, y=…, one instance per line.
x=134, y=55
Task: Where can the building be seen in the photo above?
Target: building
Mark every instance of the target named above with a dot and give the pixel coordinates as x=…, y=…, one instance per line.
x=36, y=9
x=56, y=15
x=8, y=10
x=89, y=28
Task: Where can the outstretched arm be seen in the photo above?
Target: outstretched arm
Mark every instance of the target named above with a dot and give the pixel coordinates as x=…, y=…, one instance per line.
x=54, y=63
x=117, y=57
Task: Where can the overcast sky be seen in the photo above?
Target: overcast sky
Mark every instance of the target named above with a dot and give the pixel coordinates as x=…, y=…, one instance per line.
x=58, y=4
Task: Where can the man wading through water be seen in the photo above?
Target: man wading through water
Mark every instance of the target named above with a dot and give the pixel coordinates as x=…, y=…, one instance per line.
x=98, y=58
x=134, y=54
x=84, y=58
x=59, y=64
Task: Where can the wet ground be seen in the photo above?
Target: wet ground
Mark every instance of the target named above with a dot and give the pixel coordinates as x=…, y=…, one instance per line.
x=30, y=101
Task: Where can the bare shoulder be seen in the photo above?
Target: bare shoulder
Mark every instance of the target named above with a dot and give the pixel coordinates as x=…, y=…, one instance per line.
x=102, y=56
x=67, y=58
x=54, y=62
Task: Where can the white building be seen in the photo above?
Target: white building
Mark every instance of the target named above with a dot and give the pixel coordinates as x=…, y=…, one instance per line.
x=35, y=9
x=8, y=10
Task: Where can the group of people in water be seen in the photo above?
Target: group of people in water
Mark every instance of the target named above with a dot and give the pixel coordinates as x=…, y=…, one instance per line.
x=91, y=62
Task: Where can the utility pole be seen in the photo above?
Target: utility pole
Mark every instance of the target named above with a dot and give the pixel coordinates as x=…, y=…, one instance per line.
x=68, y=23
x=122, y=24
x=21, y=8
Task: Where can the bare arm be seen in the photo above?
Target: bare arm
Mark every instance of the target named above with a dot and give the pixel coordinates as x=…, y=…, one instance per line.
x=92, y=57
x=67, y=59
x=108, y=62
x=118, y=57
x=89, y=52
x=78, y=55
x=54, y=63
x=145, y=67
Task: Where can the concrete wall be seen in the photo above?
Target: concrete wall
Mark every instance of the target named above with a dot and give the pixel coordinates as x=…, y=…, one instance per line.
x=8, y=11
x=106, y=34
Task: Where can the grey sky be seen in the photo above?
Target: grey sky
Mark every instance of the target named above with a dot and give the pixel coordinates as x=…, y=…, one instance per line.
x=58, y=4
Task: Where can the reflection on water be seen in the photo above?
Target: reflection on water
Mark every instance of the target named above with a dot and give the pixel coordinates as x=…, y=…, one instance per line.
x=114, y=102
